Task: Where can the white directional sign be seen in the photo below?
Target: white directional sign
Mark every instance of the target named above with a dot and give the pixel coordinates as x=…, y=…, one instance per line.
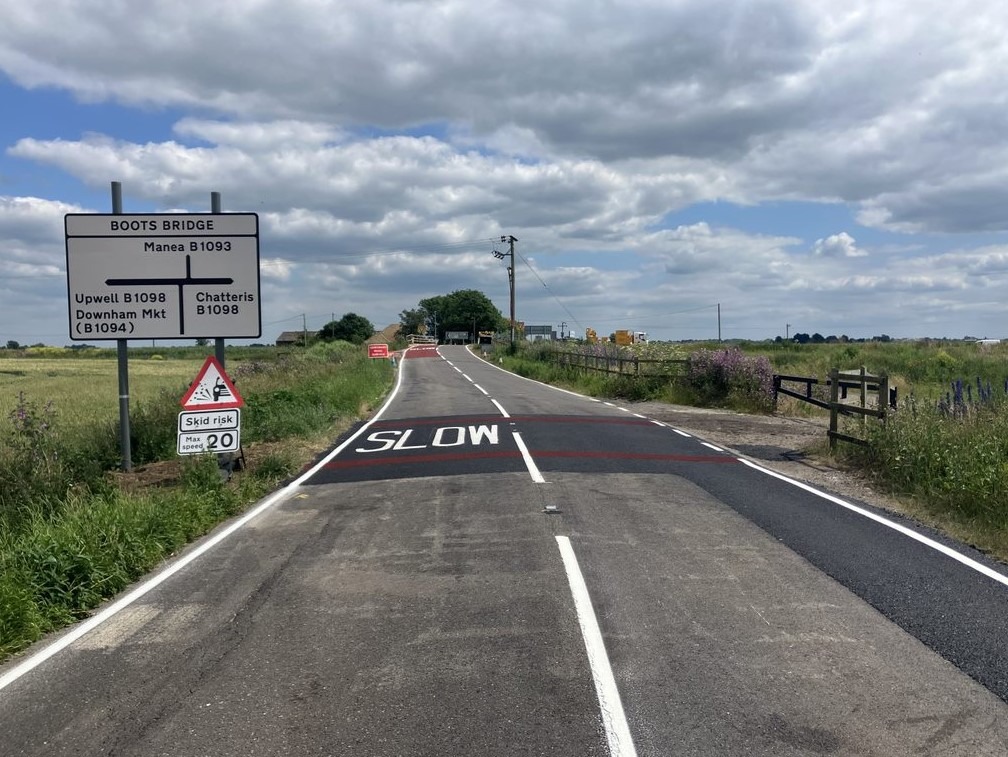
x=163, y=276
x=202, y=431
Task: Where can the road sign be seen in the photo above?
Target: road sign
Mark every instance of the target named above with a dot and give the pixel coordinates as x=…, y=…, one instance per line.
x=208, y=420
x=212, y=389
x=163, y=275
x=377, y=350
x=209, y=431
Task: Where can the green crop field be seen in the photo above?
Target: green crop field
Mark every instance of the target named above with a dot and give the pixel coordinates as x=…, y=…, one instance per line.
x=83, y=391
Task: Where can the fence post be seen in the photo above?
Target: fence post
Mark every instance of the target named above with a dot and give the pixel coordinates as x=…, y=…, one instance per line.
x=834, y=403
x=883, y=396
x=864, y=397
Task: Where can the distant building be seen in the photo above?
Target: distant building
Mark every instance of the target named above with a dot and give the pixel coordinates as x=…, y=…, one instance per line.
x=290, y=338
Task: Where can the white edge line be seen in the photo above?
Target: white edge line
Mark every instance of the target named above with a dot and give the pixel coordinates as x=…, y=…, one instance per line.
x=156, y=580
x=533, y=469
x=611, y=706
x=937, y=546
x=485, y=392
x=682, y=433
x=658, y=423
x=500, y=407
x=711, y=446
x=638, y=415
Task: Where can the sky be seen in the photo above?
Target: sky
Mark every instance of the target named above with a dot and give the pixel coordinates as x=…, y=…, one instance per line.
x=815, y=166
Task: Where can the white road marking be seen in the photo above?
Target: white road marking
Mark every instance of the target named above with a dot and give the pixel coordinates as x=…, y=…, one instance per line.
x=533, y=469
x=658, y=423
x=611, y=706
x=711, y=446
x=485, y=392
x=466, y=377
x=608, y=403
x=540, y=383
x=937, y=546
x=682, y=433
x=637, y=415
x=501, y=408
x=33, y=661
x=621, y=408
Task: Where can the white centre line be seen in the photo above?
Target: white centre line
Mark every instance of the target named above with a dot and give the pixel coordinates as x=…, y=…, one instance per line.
x=533, y=469
x=611, y=706
x=682, y=433
x=485, y=392
x=501, y=408
x=711, y=446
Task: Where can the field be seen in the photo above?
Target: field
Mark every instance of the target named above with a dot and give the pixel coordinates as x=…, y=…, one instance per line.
x=85, y=391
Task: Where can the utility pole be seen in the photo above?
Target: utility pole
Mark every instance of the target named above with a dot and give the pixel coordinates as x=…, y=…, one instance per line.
x=511, y=239
x=563, y=325
x=215, y=207
x=719, y=322
x=304, y=325
x=787, y=332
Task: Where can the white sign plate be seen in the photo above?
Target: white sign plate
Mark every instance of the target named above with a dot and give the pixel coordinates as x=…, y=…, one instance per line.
x=163, y=276
x=208, y=420
x=201, y=431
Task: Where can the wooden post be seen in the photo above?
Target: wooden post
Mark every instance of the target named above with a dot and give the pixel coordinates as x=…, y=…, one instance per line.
x=864, y=397
x=834, y=406
x=883, y=396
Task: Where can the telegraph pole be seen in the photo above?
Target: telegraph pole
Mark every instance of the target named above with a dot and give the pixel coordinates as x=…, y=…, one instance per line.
x=511, y=239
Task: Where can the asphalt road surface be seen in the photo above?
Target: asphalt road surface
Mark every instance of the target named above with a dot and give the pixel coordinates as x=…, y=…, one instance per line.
x=496, y=567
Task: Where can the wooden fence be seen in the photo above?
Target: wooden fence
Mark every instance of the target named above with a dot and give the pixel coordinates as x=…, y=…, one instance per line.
x=623, y=365
x=840, y=383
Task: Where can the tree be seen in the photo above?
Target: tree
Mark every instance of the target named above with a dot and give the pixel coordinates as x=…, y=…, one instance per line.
x=12, y=345
x=202, y=342
x=350, y=328
x=413, y=322
x=463, y=310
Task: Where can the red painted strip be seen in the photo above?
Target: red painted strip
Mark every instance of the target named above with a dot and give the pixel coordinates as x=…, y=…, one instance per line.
x=634, y=456
x=435, y=458
x=459, y=420
x=360, y=462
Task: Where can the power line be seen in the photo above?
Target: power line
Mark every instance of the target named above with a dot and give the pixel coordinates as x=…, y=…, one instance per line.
x=546, y=287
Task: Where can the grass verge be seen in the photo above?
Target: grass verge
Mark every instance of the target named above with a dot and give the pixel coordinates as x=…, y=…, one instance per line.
x=74, y=533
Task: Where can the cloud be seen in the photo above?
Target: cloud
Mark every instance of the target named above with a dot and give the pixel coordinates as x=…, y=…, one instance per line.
x=840, y=245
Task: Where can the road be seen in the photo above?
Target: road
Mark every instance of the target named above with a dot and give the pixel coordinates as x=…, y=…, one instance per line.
x=496, y=567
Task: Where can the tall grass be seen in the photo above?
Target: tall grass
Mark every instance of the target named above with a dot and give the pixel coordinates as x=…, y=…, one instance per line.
x=952, y=461
x=721, y=377
x=71, y=537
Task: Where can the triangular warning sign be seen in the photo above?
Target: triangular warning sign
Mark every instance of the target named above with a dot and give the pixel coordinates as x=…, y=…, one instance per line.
x=212, y=389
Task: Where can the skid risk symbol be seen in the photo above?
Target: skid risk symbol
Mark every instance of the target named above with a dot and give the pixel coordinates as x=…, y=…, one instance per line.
x=180, y=283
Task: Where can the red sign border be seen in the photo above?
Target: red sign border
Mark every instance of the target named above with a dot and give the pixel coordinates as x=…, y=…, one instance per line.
x=237, y=400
